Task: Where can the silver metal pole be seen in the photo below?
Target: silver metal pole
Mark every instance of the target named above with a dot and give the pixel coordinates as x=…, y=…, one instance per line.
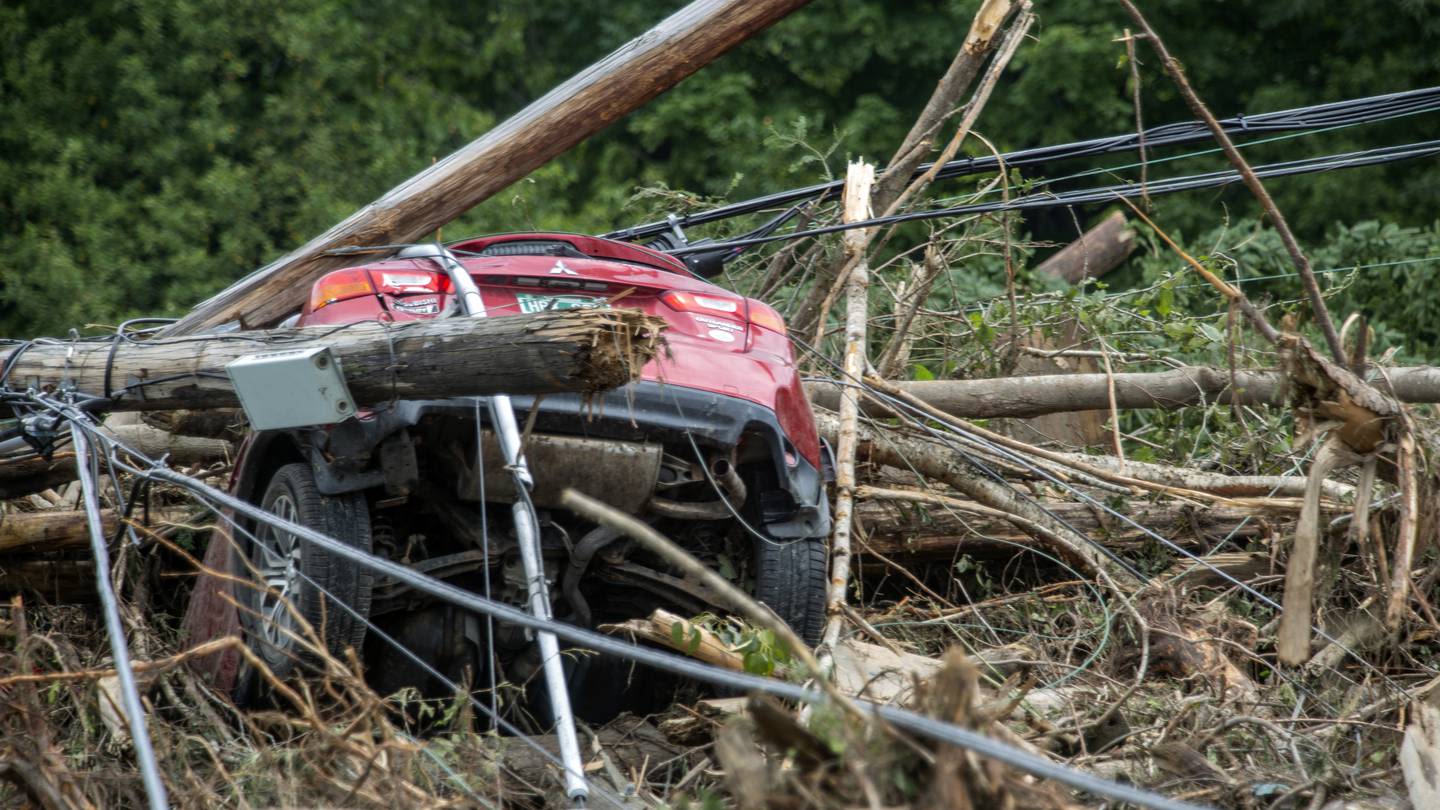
x=527, y=537
x=119, y=648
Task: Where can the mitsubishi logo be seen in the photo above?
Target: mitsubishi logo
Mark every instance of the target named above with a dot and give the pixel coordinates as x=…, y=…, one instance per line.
x=561, y=269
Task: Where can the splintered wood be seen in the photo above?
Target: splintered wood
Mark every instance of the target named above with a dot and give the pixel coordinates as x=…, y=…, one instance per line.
x=858, y=182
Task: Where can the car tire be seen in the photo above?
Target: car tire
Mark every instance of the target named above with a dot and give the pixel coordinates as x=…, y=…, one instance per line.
x=791, y=577
x=280, y=558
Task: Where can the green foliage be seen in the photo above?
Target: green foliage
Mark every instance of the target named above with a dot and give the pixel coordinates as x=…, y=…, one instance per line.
x=156, y=150
x=760, y=650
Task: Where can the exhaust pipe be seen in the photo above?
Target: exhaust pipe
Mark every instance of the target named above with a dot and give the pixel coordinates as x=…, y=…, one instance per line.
x=722, y=471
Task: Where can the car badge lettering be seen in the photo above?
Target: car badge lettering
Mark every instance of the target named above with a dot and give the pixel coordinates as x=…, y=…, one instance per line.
x=427, y=306
x=716, y=323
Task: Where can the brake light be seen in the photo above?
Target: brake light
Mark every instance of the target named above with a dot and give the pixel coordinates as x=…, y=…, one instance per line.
x=705, y=304
x=766, y=316
x=339, y=286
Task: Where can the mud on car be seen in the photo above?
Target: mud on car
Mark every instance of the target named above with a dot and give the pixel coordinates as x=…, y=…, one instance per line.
x=714, y=446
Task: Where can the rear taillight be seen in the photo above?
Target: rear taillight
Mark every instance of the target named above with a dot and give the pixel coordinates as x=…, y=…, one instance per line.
x=766, y=316
x=737, y=308
x=704, y=304
x=339, y=286
x=342, y=285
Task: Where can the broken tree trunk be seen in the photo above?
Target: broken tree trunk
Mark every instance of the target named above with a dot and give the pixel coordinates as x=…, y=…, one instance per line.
x=26, y=476
x=1097, y=252
x=914, y=532
x=858, y=182
x=593, y=99
x=154, y=442
x=946, y=98
x=1182, y=387
x=54, y=581
x=56, y=530
x=570, y=351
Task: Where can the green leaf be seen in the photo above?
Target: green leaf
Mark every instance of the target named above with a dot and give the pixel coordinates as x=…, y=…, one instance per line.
x=919, y=372
x=1165, y=302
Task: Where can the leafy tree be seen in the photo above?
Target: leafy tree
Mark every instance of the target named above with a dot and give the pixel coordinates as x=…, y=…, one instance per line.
x=155, y=150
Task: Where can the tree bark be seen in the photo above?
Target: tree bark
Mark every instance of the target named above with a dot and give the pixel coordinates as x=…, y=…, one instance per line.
x=1097, y=252
x=979, y=44
x=858, y=182
x=1179, y=388
x=570, y=351
x=55, y=581
x=154, y=442
x=27, y=476
x=55, y=530
x=909, y=532
x=593, y=99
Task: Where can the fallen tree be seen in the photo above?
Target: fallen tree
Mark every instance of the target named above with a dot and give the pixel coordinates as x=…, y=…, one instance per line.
x=993, y=398
x=1097, y=252
x=23, y=476
x=571, y=351
x=57, y=530
x=904, y=527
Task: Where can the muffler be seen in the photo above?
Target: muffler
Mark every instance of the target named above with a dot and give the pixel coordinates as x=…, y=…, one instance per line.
x=621, y=474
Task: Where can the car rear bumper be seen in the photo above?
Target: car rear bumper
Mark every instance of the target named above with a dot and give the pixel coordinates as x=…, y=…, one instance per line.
x=645, y=411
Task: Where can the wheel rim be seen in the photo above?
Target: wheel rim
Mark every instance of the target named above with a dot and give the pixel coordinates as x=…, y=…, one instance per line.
x=279, y=566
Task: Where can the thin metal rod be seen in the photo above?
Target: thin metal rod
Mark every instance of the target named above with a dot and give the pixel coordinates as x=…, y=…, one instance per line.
x=119, y=648
x=527, y=537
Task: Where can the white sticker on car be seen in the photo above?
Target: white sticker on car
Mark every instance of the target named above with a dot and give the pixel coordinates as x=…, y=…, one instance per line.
x=722, y=336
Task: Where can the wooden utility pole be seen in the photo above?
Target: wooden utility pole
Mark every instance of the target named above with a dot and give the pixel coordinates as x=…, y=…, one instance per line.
x=573, y=350
x=591, y=100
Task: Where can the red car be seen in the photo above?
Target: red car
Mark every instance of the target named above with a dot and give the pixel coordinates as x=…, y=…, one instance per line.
x=715, y=445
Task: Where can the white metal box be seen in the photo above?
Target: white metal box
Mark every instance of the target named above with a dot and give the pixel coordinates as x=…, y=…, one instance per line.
x=291, y=388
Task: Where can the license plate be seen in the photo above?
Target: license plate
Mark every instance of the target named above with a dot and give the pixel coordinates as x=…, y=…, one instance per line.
x=553, y=303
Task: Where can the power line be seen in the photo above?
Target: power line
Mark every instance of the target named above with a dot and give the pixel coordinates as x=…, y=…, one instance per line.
x=1101, y=194
x=1370, y=109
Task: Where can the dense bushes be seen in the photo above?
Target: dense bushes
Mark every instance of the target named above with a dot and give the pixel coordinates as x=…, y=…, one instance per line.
x=153, y=150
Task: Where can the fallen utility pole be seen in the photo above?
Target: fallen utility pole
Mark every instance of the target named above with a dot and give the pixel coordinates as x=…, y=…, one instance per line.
x=1061, y=393
x=581, y=350
x=588, y=102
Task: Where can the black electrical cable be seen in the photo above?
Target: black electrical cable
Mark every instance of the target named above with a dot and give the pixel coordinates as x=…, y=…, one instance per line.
x=1321, y=116
x=1368, y=157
